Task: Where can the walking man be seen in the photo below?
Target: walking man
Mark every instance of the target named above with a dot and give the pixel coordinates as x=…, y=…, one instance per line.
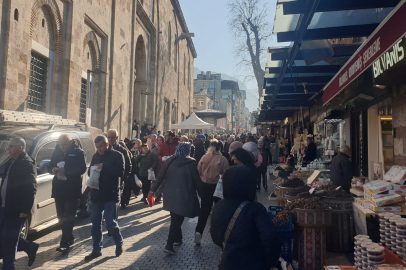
x=17, y=195
x=112, y=137
x=67, y=186
x=106, y=198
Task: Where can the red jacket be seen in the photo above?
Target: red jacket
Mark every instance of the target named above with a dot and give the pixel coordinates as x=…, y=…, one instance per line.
x=167, y=149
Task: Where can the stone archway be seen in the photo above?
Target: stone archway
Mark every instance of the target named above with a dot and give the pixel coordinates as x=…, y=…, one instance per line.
x=56, y=21
x=140, y=81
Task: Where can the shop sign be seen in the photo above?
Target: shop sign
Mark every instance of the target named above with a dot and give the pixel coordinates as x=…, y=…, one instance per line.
x=390, y=58
x=382, y=45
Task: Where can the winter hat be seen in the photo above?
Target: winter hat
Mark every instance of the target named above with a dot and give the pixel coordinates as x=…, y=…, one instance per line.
x=202, y=137
x=183, y=149
x=234, y=145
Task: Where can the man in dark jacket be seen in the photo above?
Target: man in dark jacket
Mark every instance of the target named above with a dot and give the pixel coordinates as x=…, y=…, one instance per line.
x=17, y=194
x=112, y=137
x=341, y=169
x=147, y=161
x=253, y=242
x=199, y=148
x=106, y=198
x=68, y=165
x=311, y=152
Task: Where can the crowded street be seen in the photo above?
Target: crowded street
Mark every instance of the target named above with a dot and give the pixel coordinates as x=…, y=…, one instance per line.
x=203, y=135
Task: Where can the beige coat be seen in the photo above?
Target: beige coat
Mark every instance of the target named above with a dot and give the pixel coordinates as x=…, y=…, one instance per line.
x=210, y=170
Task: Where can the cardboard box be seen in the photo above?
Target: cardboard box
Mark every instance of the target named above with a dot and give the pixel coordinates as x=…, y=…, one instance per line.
x=362, y=202
x=370, y=195
x=386, y=200
x=387, y=208
x=399, y=187
x=399, y=191
x=378, y=186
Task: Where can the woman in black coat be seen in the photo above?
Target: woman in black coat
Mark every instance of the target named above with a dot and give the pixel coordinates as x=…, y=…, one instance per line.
x=181, y=184
x=252, y=243
x=266, y=160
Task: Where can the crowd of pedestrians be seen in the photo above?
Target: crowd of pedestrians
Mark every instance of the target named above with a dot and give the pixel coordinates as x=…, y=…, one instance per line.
x=183, y=169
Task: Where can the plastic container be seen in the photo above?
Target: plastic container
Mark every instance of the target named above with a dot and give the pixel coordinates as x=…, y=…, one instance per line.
x=375, y=250
x=394, y=219
x=401, y=232
x=365, y=246
x=401, y=224
x=376, y=258
x=361, y=236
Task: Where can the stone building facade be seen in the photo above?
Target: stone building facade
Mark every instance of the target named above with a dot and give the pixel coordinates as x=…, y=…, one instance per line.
x=140, y=53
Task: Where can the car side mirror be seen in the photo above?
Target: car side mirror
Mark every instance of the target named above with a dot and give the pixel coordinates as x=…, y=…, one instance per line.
x=43, y=166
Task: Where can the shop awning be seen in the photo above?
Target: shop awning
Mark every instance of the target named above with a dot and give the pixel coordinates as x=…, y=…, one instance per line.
x=383, y=49
x=295, y=75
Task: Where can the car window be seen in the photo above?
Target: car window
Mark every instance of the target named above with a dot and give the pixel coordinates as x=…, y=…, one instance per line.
x=45, y=153
x=88, y=147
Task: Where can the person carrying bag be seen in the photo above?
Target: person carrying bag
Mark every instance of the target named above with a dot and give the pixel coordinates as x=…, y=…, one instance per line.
x=241, y=227
x=212, y=165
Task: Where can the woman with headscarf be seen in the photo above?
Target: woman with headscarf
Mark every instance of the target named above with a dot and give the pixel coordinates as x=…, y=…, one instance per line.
x=210, y=167
x=226, y=149
x=266, y=160
x=252, y=147
x=181, y=181
x=252, y=242
x=233, y=146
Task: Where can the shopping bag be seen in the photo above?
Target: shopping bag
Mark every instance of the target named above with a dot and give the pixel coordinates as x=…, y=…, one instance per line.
x=151, y=175
x=93, y=180
x=137, y=181
x=219, y=189
x=150, y=199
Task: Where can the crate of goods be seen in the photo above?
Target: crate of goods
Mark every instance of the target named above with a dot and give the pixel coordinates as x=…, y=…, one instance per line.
x=282, y=220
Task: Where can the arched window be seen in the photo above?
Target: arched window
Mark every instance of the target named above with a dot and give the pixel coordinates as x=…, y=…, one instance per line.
x=16, y=15
x=169, y=42
x=184, y=69
x=175, y=47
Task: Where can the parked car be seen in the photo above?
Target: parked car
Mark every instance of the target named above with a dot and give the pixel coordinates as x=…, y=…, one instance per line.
x=41, y=141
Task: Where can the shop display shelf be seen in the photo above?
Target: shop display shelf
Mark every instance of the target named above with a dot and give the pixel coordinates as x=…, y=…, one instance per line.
x=285, y=232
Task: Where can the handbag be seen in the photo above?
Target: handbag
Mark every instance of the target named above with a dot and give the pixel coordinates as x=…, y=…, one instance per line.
x=137, y=181
x=231, y=225
x=218, y=192
x=93, y=180
x=151, y=175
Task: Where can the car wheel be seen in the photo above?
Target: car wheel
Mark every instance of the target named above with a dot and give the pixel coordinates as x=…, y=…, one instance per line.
x=25, y=228
x=85, y=204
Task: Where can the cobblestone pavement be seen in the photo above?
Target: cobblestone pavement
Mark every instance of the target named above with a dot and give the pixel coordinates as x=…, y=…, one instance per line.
x=145, y=231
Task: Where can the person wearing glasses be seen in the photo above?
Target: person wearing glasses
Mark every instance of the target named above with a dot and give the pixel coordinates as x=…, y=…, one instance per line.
x=17, y=194
x=67, y=185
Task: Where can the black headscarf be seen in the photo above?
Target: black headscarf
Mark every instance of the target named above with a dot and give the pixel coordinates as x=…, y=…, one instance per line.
x=238, y=184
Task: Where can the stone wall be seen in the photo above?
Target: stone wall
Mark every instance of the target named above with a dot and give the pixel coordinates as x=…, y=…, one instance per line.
x=121, y=38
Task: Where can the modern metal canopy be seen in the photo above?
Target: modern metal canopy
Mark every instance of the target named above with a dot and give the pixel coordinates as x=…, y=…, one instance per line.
x=288, y=73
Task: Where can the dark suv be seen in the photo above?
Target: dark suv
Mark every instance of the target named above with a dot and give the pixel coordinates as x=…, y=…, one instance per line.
x=41, y=141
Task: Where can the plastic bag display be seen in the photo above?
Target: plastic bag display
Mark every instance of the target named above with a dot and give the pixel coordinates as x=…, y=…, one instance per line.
x=151, y=199
x=151, y=175
x=93, y=181
x=219, y=189
x=137, y=181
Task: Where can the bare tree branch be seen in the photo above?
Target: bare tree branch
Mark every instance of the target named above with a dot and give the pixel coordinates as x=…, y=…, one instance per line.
x=248, y=23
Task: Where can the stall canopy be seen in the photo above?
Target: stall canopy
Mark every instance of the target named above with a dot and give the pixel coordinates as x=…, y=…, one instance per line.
x=390, y=35
x=193, y=122
x=297, y=73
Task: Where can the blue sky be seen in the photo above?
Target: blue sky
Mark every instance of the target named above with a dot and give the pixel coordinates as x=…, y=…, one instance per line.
x=207, y=19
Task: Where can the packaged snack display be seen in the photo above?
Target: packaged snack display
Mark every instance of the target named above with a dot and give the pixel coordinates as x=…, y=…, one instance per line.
x=378, y=186
x=386, y=200
x=396, y=175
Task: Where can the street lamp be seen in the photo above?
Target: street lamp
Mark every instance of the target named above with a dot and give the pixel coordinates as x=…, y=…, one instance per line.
x=90, y=95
